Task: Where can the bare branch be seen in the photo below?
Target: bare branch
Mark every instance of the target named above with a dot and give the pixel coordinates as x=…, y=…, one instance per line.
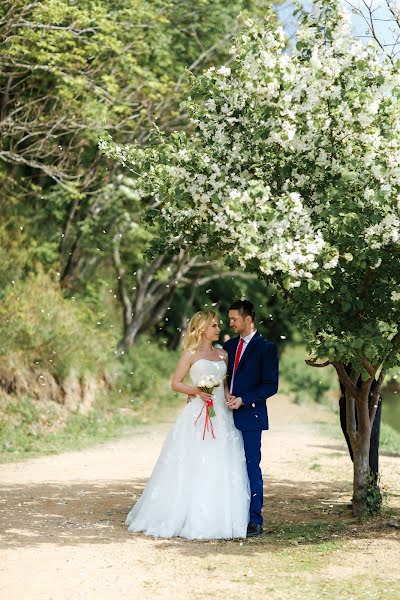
x=53, y=173
x=311, y=362
x=370, y=15
x=208, y=278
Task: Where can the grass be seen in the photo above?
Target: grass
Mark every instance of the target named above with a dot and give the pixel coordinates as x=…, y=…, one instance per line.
x=24, y=434
x=315, y=559
x=301, y=564
x=42, y=328
x=79, y=431
x=27, y=440
x=389, y=438
x=308, y=533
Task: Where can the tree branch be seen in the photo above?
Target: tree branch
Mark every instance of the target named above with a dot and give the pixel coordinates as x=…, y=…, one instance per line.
x=371, y=370
x=345, y=379
x=375, y=396
x=311, y=362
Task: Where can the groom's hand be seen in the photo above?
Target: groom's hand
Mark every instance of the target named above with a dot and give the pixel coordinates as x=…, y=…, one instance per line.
x=235, y=403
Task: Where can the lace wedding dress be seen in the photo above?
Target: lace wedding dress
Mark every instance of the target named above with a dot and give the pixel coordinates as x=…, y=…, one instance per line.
x=199, y=487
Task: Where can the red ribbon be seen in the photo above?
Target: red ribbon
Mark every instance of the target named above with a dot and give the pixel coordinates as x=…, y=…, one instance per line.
x=208, y=426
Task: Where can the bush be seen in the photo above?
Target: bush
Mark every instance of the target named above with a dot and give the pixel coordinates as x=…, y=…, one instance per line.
x=42, y=328
x=389, y=439
x=144, y=373
x=303, y=381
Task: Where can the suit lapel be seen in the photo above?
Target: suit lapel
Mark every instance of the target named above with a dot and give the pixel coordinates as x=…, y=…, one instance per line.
x=249, y=349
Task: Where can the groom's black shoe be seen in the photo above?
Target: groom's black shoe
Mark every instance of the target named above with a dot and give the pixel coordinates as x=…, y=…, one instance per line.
x=253, y=529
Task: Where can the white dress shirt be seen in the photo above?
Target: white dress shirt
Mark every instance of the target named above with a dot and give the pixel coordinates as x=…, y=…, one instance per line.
x=246, y=341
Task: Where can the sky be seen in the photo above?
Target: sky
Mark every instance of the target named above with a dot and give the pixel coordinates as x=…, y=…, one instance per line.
x=383, y=20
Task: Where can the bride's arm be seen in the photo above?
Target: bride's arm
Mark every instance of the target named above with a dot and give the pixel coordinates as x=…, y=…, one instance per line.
x=182, y=370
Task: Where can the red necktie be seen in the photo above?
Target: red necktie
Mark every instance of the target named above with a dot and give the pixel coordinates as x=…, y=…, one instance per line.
x=238, y=353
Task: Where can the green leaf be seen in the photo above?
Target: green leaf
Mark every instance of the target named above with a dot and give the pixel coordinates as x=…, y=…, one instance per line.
x=313, y=285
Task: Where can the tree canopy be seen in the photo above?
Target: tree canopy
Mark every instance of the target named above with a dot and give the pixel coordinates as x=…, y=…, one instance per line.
x=296, y=155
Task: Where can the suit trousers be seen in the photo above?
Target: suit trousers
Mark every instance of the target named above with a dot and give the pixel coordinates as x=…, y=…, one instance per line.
x=252, y=450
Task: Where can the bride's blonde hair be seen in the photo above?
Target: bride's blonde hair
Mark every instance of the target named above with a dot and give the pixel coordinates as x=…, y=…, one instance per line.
x=196, y=327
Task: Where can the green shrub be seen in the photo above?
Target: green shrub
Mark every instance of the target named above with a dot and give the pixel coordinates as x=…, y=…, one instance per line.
x=144, y=373
x=140, y=392
x=44, y=330
x=389, y=439
x=303, y=381
x=40, y=327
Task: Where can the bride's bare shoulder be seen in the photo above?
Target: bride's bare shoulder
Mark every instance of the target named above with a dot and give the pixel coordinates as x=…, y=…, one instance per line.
x=186, y=360
x=188, y=356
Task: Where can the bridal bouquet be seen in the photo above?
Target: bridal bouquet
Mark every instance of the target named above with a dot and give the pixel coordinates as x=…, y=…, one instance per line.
x=207, y=384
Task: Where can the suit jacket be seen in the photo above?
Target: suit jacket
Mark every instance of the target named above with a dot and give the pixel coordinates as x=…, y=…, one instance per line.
x=256, y=379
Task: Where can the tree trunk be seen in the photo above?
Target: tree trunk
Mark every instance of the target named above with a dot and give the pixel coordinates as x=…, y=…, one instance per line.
x=149, y=304
x=361, y=473
x=70, y=272
x=361, y=452
x=348, y=422
x=185, y=316
x=130, y=335
x=361, y=401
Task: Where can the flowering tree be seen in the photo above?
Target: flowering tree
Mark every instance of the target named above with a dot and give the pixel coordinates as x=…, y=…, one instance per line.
x=292, y=171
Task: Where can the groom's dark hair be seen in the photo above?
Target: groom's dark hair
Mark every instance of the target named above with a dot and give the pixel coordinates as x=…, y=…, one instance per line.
x=245, y=308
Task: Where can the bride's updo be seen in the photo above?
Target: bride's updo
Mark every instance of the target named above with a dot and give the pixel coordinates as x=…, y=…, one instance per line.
x=197, y=325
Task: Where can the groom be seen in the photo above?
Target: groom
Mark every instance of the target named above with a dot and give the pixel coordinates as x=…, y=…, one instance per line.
x=252, y=378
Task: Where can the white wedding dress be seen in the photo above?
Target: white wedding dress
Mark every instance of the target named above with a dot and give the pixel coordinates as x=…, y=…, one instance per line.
x=199, y=487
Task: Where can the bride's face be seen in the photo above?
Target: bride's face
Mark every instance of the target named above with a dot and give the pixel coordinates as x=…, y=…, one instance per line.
x=213, y=331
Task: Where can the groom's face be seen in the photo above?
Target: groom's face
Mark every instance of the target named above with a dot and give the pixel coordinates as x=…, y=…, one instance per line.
x=237, y=322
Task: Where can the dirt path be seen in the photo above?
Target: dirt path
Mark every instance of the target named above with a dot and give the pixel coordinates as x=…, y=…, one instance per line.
x=63, y=534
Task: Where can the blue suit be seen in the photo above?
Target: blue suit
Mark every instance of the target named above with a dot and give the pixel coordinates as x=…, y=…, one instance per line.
x=256, y=379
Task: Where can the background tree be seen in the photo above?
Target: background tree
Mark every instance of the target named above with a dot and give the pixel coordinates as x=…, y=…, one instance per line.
x=67, y=70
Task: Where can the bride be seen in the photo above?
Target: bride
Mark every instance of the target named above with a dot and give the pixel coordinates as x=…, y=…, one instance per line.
x=199, y=486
